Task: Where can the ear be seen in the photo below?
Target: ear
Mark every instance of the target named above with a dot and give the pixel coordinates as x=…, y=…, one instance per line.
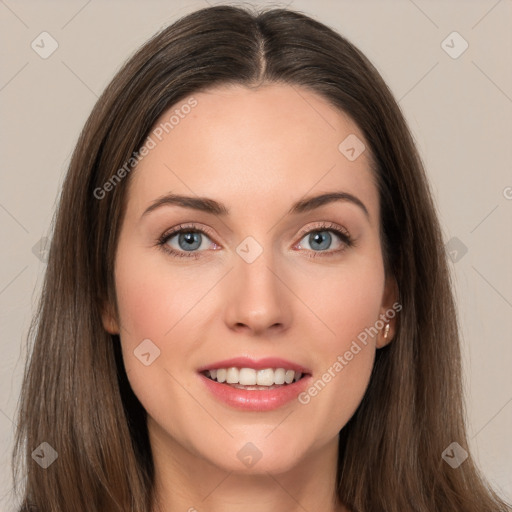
x=109, y=320
x=389, y=311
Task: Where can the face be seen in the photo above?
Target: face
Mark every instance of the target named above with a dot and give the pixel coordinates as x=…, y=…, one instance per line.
x=254, y=276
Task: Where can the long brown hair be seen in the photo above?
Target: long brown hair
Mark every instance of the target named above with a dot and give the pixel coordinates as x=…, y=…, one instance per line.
x=76, y=396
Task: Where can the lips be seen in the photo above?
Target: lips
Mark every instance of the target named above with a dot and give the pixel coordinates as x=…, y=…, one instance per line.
x=260, y=385
x=246, y=362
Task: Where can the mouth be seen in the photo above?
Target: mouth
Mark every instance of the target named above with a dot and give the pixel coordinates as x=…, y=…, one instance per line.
x=255, y=385
x=252, y=379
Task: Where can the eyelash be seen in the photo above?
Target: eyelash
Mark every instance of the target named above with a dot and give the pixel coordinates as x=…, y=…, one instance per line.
x=191, y=228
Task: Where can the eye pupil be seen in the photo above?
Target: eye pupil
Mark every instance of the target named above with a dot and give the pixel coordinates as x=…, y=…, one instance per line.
x=319, y=236
x=190, y=239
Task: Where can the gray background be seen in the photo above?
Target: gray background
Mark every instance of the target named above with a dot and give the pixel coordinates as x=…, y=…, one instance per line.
x=459, y=110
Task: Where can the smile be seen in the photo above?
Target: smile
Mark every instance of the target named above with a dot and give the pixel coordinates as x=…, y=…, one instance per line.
x=255, y=385
x=249, y=378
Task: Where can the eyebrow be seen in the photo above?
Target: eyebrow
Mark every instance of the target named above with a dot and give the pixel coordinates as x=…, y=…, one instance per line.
x=207, y=205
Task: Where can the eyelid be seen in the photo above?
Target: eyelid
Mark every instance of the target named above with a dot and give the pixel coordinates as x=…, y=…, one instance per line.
x=194, y=227
x=323, y=226
x=185, y=226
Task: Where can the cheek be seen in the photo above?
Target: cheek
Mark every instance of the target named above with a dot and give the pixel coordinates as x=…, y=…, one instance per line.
x=151, y=301
x=154, y=305
x=144, y=304
x=347, y=307
x=165, y=308
x=343, y=303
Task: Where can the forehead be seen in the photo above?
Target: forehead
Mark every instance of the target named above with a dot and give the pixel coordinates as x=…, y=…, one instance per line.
x=250, y=148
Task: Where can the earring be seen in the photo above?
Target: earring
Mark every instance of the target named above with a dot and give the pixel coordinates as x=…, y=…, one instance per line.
x=386, y=331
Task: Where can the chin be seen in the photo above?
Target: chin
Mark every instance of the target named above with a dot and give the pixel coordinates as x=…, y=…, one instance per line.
x=259, y=457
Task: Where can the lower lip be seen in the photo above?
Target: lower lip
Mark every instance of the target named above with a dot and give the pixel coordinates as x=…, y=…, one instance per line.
x=255, y=400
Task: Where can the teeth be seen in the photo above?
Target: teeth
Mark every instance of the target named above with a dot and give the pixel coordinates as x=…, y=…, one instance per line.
x=279, y=376
x=247, y=377
x=232, y=375
x=264, y=377
x=250, y=377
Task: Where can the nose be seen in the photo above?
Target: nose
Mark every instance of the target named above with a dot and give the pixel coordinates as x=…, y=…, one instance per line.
x=258, y=299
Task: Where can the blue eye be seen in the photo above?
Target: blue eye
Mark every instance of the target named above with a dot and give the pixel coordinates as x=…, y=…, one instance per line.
x=321, y=239
x=190, y=239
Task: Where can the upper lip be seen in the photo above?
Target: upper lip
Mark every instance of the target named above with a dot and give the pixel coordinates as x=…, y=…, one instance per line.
x=256, y=364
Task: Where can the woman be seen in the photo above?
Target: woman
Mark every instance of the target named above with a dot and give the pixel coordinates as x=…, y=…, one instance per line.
x=195, y=349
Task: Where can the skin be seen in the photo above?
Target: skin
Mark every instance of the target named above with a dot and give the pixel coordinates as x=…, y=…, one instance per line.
x=257, y=151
